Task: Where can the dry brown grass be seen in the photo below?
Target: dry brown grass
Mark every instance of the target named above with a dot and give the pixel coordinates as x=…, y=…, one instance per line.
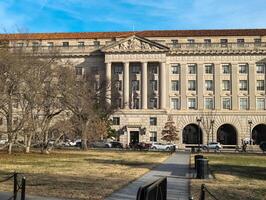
x=78, y=175
x=236, y=176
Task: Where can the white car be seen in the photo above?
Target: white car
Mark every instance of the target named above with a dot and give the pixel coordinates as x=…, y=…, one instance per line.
x=161, y=146
x=212, y=145
x=3, y=141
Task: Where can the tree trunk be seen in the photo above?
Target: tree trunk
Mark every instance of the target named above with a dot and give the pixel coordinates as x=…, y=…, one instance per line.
x=10, y=147
x=28, y=143
x=84, y=145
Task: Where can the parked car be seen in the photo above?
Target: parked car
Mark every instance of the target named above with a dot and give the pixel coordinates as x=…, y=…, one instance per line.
x=3, y=141
x=101, y=144
x=263, y=146
x=161, y=146
x=115, y=144
x=212, y=145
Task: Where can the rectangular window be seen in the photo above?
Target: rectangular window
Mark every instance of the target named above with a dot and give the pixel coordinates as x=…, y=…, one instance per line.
x=257, y=41
x=153, y=136
x=153, y=84
x=192, y=69
x=208, y=103
x=153, y=121
x=209, y=85
x=175, y=69
x=243, y=69
x=174, y=85
x=260, y=103
x=135, y=85
x=227, y=103
x=208, y=69
x=1, y=121
x=153, y=103
x=240, y=42
x=175, y=103
x=96, y=43
x=175, y=43
x=135, y=69
x=116, y=120
x=135, y=103
x=118, y=69
x=226, y=69
x=224, y=42
x=243, y=85
x=207, y=41
x=65, y=44
x=119, y=85
x=119, y=103
x=191, y=103
x=260, y=85
x=81, y=44
x=78, y=71
x=226, y=85
x=243, y=103
x=191, y=41
x=50, y=45
x=20, y=44
x=260, y=69
x=192, y=85
x=153, y=69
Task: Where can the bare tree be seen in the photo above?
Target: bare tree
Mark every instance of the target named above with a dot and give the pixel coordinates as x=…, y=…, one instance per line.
x=207, y=121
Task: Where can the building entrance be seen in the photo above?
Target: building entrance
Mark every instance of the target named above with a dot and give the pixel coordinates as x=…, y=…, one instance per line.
x=134, y=137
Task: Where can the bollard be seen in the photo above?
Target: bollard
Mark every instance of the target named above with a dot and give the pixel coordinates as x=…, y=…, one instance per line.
x=15, y=188
x=202, y=194
x=202, y=168
x=196, y=157
x=23, y=188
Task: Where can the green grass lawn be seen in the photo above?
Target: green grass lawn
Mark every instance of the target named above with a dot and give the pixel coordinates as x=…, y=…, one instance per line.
x=236, y=176
x=93, y=174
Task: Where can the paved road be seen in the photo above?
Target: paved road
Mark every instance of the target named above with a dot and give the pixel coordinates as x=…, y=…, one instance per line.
x=176, y=168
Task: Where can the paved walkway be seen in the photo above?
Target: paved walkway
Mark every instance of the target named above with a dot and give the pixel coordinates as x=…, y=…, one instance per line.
x=176, y=168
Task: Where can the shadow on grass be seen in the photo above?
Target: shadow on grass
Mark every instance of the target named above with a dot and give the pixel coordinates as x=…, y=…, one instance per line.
x=247, y=172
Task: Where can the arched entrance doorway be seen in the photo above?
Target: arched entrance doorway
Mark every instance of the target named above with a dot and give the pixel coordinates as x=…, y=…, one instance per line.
x=192, y=134
x=227, y=134
x=259, y=133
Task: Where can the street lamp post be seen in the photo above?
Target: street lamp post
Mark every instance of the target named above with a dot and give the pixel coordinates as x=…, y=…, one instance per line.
x=250, y=133
x=212, y=123
x=198, y=120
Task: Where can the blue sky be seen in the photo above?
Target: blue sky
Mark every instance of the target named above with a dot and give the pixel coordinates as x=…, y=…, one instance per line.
x=126, y=15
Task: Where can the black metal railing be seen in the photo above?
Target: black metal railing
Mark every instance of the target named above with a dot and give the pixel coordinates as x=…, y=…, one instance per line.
x=18, y=186
x=204, y=191
x=156, y=190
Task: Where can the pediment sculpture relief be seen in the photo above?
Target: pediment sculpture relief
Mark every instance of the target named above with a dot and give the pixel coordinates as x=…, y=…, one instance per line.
x=134, y=44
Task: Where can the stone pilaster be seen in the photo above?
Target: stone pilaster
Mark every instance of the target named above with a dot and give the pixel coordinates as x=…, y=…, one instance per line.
x=252, y=86
x=200, y=86
x=163, y=85
x=234, y=86
x=108, y=81
x=126, y=85
x=183, y=86
x=217, y=86
x=144, y=79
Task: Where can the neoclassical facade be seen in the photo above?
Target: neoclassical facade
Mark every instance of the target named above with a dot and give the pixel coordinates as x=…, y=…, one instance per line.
x=211, y=83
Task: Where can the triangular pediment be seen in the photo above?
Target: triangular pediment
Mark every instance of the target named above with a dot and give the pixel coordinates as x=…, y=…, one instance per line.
x=135, y=44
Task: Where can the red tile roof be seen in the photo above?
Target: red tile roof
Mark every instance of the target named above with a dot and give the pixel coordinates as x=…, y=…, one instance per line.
x=151, y=33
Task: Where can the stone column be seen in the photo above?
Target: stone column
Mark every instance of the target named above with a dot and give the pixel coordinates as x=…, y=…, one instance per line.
x=163, y=85
x=252, y=86
x=183, y=86
x=108, y=81
x=200, y=86
x=144, y=79
x=234, y=86
x=126, y=85
x=217, y=86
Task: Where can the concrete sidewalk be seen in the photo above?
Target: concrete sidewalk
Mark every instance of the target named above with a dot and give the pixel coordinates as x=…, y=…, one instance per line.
x=176, y=168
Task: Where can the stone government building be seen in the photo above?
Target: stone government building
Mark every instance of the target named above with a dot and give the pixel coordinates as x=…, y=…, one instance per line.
x=211, y=82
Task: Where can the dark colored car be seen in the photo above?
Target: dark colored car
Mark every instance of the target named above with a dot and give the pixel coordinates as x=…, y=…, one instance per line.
x=115, y=144
x=263, y=146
